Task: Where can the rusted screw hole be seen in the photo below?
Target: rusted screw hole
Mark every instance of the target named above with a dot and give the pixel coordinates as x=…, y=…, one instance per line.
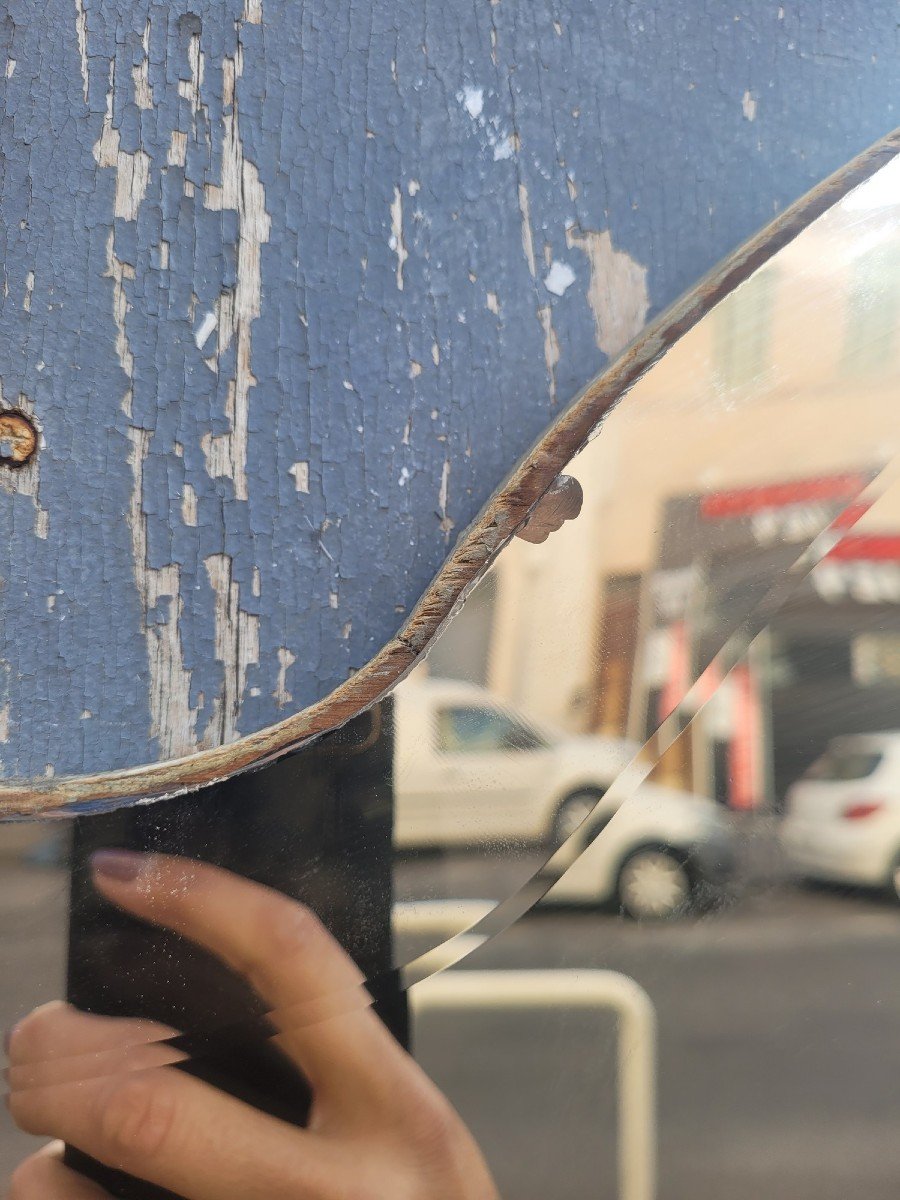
x=18, y=439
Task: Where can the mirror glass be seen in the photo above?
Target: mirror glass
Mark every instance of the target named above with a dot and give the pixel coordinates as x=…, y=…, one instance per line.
x=663, y=745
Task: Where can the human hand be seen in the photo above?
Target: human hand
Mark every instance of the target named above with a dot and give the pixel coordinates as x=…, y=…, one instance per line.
x=378, y=1129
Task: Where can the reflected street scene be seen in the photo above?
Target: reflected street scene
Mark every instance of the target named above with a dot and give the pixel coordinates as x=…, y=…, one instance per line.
x=656, y=759
x=725, y=615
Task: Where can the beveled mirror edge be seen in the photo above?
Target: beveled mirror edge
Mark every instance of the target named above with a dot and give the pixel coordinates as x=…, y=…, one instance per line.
x=474, y=552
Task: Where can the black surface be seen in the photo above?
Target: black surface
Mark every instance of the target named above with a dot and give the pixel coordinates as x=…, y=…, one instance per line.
x=317, y=826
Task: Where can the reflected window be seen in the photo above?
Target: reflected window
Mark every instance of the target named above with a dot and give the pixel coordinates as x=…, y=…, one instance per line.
x=843, y=765
x=873, y=310
x=743, y=330
x=876, y=658
x=463, y=729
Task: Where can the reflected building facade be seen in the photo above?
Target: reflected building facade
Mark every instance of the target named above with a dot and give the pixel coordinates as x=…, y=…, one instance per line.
x=770, y=422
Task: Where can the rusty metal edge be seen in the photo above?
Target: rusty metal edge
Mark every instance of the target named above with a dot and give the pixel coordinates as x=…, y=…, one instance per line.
x=473, y=554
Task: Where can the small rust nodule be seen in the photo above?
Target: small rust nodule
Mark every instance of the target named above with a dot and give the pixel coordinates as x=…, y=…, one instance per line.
x=561, y=503
x=18, y=439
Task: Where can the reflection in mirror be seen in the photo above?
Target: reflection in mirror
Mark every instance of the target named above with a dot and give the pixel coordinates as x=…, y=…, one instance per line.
x=676, y=723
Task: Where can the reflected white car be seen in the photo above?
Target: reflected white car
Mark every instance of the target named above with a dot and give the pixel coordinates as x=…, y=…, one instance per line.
x=842, y=819
x=659, y=854
x=469, y=772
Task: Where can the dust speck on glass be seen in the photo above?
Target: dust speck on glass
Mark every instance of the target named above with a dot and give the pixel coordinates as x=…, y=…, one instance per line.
x=664, y=744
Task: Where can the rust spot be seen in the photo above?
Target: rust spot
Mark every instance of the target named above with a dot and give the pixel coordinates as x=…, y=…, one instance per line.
x=18, y=439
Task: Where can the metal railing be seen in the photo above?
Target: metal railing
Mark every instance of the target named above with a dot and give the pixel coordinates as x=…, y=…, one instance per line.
x=468, y=990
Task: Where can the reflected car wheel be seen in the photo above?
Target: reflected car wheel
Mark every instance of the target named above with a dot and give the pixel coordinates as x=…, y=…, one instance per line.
x=572, y=813
x=654, y=885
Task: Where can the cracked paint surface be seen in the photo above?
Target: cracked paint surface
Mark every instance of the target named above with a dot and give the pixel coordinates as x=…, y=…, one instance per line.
x=274, y=292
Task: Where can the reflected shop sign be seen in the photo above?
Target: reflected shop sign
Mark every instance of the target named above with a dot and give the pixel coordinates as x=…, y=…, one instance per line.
x=722, y=554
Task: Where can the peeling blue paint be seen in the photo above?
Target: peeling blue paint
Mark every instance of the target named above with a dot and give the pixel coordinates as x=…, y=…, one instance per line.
x=602, y=114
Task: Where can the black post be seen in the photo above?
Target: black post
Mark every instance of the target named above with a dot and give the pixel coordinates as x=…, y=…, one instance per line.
x=318, y=827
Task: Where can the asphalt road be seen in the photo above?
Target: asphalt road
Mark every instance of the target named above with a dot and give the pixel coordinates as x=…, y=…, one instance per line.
x=779, y=1038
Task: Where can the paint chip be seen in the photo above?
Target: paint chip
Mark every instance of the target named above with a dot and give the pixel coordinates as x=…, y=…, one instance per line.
x=207, y=325
x=749, y=104
x=189, y=506
x=472, y=100
x=300, y=472
x=559, y=278
x=395, y=241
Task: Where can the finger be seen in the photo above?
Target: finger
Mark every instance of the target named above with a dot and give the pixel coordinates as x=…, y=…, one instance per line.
x=57, y=1044
x=172, y=1130
x=44, y=1176
x=283, y=951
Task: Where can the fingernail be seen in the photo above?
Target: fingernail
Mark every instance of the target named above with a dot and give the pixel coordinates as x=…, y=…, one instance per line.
x=121, y=866
x=8, y=1035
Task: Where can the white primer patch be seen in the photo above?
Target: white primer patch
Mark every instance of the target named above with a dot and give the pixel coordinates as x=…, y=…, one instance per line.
x=300, y=472
x=396, y=242
x=286, y=660
x=241, y=191
x=206, y=327
x=189, y=506
x=749, y=106
x=443, y=498
x=472, y=100
x=172, y=720
x=527, y=235
x=81, y=31
x=551, y=347
x=177, y=156
x=140, y=75
x=132, y=170
x=236, y=648
x=559, y=278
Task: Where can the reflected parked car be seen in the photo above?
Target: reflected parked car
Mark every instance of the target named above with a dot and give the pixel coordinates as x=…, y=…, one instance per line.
x=658, y=854
x=468, y=772
x=842, y=819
